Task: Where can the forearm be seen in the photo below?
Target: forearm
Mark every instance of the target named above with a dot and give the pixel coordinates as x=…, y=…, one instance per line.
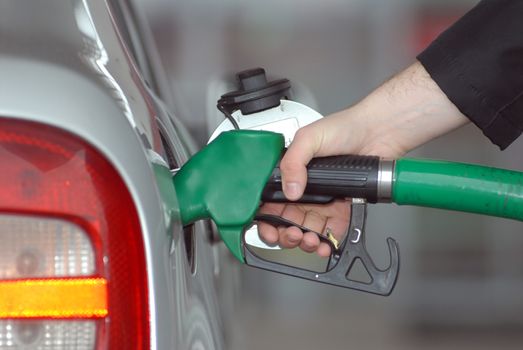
x=402, y=114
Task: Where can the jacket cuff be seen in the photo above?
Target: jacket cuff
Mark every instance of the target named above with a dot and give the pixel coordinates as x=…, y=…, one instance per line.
x=448, y=72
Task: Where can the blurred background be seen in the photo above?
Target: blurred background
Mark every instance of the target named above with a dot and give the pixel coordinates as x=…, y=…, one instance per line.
x=461, y=282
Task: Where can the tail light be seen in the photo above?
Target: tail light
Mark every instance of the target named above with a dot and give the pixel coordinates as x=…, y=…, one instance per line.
x=72, y=264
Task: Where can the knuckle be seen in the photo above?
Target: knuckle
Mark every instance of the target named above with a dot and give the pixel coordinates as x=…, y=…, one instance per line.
x=306, y=248
x=290, y=165
x=301, y=133
x=324, y=250
x=270, y=238
x=310, y=242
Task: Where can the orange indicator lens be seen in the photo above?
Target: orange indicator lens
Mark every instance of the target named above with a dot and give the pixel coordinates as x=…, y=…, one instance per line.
x=54, y=298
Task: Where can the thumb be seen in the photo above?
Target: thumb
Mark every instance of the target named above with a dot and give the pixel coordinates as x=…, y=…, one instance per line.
x=294, y=162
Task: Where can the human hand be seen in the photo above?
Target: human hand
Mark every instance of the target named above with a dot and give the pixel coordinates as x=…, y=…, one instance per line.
x=403, y=113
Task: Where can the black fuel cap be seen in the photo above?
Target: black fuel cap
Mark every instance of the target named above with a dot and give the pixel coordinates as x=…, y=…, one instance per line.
x=255, y=93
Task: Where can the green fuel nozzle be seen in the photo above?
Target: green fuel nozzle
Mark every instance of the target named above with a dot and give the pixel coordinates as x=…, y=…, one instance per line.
x=228, y=179
x=225, y=180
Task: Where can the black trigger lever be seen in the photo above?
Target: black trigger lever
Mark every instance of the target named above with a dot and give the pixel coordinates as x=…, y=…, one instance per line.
x=342, y=260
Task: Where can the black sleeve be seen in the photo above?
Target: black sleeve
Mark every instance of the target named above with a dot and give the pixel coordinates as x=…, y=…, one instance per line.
x=478, y=63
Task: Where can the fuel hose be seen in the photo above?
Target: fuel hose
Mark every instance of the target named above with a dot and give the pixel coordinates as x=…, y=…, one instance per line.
x=458, y=186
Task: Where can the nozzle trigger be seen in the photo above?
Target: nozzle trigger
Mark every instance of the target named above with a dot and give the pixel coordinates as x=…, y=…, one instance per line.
x=276, y=220
x=343, y=260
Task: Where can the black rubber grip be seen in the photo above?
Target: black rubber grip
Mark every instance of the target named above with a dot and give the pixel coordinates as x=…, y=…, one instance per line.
x=330, y=178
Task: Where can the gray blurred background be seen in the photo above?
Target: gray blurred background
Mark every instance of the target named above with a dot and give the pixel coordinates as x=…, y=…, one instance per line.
x=461, y=283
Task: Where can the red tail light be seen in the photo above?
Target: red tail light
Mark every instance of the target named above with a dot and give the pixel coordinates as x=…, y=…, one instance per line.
x=72, y=262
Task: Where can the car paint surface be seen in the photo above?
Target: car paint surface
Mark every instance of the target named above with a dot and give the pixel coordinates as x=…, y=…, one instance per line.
x=65, y=64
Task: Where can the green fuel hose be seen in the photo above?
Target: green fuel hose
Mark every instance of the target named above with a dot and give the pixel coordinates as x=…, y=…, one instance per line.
x=458, y=186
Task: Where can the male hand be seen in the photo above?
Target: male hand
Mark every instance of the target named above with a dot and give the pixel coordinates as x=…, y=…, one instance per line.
x=403, y=113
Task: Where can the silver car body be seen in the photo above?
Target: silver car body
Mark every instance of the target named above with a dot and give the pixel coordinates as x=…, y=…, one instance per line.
x=69, y=64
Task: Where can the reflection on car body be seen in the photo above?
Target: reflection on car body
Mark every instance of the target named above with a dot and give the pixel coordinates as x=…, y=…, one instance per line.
x=87, y=205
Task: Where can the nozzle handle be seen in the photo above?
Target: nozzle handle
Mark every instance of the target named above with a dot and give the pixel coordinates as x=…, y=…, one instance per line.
x=330, y=178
